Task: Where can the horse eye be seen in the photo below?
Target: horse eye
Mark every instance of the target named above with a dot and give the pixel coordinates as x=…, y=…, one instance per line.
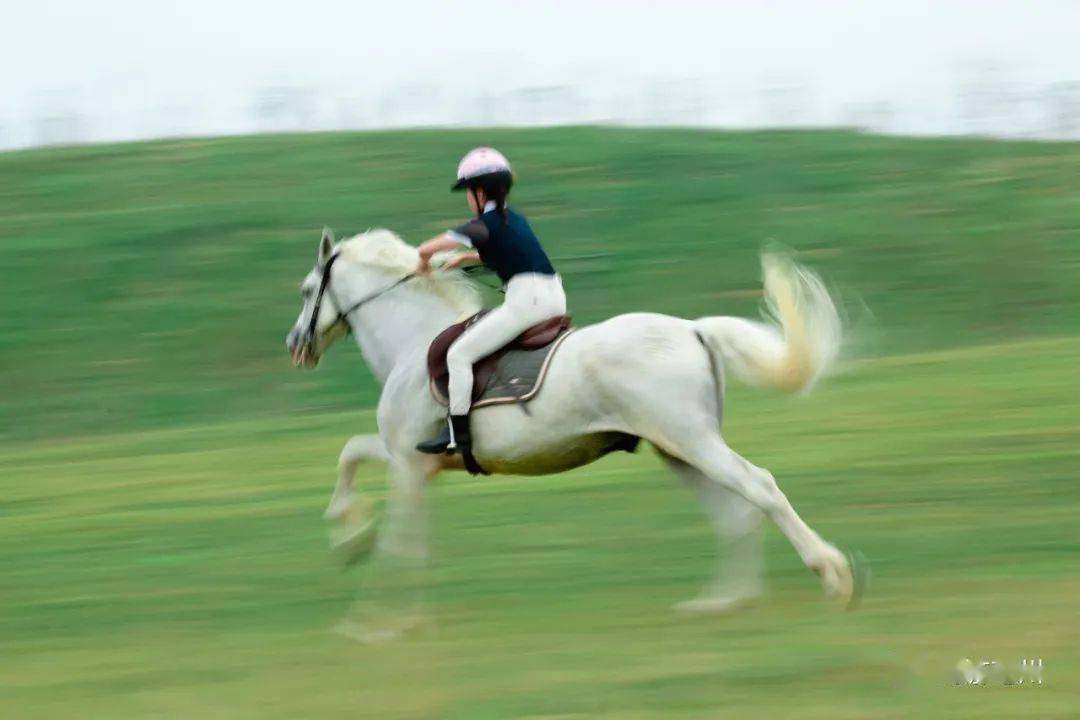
x=305, y=293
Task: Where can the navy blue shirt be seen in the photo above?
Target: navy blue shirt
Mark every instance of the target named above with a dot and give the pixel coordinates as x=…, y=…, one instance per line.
x=507, y=247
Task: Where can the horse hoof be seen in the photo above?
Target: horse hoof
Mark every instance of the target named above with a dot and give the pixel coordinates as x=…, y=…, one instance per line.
x=366, y=635
x=716, y=605
x=860, y=569
x=835, y=571
x=387, y=631
x=354, y=544
x=336, y=511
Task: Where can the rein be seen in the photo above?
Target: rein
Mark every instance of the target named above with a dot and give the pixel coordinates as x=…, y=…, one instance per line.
x=343, y=315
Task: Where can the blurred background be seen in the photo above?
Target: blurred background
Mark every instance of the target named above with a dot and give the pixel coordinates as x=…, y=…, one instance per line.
x=163, y=468
x=124, y=69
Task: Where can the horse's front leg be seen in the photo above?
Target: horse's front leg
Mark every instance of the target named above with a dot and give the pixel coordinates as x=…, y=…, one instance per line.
x=358, y=449
x=405, y=537
x=392, y=595
x=354, y=522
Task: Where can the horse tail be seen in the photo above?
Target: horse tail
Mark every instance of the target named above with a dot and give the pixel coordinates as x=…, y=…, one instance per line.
x=796, y=344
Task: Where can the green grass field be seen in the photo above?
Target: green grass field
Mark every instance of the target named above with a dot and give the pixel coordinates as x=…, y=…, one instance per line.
x=163, y=469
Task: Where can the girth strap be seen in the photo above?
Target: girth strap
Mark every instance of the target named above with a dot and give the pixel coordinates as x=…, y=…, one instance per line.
x=471, y=464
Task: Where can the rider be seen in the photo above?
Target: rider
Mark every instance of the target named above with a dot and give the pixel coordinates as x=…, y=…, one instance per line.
x=502, y=240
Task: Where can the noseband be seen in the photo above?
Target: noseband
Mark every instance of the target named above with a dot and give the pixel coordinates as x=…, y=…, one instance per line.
x=343, y=315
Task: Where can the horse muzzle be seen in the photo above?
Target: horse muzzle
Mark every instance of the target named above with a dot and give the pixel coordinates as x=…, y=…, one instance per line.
x=305, y=357
x=301, y=350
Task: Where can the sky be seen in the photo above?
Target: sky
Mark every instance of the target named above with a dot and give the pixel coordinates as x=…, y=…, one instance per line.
x=121, y=69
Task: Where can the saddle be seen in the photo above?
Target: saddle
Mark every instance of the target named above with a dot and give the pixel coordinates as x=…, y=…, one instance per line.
x=511, y=374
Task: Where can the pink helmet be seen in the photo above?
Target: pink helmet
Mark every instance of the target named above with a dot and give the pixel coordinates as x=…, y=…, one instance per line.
x=478, y=163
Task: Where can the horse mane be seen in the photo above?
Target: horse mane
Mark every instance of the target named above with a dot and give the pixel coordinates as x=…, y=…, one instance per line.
x=380, y=248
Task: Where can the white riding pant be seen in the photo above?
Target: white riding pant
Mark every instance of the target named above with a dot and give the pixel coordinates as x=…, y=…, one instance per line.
x=531, y=298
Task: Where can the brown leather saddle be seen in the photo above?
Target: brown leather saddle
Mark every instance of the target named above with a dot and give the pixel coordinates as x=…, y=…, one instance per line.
x=512, y=374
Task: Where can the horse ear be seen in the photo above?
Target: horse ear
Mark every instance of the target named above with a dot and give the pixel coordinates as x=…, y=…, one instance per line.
x=326, y=246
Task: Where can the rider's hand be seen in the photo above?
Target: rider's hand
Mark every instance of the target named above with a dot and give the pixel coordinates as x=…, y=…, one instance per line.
x=459, y=260
x=424, y=266
x=439, y=243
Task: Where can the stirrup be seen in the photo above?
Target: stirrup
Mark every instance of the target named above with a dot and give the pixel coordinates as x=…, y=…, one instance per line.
x=437, y=445
x=452, y=440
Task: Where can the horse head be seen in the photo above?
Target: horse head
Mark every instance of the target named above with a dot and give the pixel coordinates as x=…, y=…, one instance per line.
x=319, y=323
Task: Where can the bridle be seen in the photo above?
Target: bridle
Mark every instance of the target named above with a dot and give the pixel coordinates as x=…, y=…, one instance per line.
x=343, y=315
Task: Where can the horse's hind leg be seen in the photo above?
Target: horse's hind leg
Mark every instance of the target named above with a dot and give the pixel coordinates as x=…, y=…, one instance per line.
x=737, y=524
x=678, y=413
x=706, y=451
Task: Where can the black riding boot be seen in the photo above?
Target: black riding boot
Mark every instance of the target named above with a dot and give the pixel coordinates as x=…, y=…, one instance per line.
x=454, y=438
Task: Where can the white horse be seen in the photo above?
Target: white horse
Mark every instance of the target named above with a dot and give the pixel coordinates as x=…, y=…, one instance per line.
x=650, y=376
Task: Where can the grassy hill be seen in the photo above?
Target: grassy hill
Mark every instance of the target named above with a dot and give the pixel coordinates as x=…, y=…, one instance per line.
x=164, y=467
x=183, y=573
x=152, y=284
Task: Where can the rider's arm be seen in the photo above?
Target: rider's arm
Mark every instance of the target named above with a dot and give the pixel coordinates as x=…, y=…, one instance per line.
x=471, y=235
x=439, y=243
x=469, y=258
